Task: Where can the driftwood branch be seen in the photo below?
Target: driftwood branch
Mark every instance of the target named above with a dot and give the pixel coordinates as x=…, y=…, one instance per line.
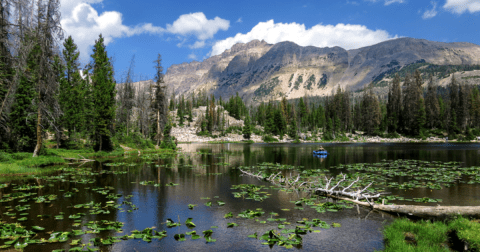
x=358, y=195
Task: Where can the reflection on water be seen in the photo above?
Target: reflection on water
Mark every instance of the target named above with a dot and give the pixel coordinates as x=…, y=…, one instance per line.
x=208, y=170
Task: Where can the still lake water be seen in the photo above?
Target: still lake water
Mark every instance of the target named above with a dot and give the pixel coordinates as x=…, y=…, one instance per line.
x=209, y=170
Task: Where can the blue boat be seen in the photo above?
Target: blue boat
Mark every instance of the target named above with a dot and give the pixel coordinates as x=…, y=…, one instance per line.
x=320, y=156
x=320, y=151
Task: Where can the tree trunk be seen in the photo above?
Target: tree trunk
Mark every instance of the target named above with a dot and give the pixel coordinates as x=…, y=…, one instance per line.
x=101, y=141
x=38, y=147
x=158, y=127
x=417, y=210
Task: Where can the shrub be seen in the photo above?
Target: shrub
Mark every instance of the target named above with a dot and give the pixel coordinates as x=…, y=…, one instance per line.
x=257, y=131
x=234, y=130
x=476, y=131
x=392, y=135
x=327, y=136
x=133, y=140
x=470, y=136
x=204, y=133
x=269, y=139
x=342, y=137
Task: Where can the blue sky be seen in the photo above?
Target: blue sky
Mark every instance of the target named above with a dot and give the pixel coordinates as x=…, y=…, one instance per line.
x=186, y=30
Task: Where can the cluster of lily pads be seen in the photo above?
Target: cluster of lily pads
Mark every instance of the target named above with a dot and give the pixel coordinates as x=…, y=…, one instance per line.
x=419, y=174
x=414, y=174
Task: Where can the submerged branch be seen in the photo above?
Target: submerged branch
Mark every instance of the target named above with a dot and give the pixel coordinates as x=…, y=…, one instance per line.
x=356, y=196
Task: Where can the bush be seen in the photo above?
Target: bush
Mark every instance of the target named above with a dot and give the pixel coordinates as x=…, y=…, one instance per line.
x=327, y=136
x=452, y=136
x=269, y=139
x=257, y=131
x=423, y=135
x=437, y=132
x=392, y=135
x=168, y=143
x=470, y=136
x=133, y=140
x=234, y=130
x=204, y=133
x=476, y=131
x=5, y=157
x=342, y=137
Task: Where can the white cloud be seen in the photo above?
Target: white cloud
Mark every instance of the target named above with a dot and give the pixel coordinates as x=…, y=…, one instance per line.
x=197, y=44
x=192, y=56
x=388, y=2
x=198, y=25
x=460, y=6
x=347, y=36
x=430, y=13
x=239, y=20
x=84, y=24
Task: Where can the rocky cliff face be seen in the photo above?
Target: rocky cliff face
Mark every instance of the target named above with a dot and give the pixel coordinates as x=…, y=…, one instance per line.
x=259, y=71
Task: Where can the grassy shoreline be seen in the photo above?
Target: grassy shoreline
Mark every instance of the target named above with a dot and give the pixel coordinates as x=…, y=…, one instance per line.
x=22, y=163
x=457, y=233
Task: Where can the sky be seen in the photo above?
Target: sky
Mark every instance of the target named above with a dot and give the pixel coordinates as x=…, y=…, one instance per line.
x=187, y=30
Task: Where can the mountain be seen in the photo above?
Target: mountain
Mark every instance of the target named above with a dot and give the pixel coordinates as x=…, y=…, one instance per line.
x=259, y=71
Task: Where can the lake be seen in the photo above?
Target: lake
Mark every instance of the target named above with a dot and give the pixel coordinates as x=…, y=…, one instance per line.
x=116, y=197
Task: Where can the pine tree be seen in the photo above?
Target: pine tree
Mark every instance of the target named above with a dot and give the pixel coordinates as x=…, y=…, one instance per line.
x=126, y=101
x=103, y=96
x=432, y=108
x=463, y=105
x=59, y=70
x=292, y=129
x=453, y=95
x=6, y=71
x=475, y=108
x=159, y=103
x=394, y=104
x=72, y=90
x=371, y=113
x=442, y=113
x=22, y=117
x=420, y=117
x=247, y=127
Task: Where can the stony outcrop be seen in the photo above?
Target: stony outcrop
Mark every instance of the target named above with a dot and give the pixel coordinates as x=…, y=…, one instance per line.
x=259, y=71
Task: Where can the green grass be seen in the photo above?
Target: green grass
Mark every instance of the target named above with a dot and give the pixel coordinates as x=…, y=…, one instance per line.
x=430, y=236
x=468, y=231
x=22, y=163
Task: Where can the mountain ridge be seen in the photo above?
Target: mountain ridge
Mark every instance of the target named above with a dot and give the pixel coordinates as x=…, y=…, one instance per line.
x=259, y=71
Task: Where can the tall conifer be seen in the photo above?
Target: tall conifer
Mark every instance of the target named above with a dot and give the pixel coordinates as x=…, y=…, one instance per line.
x=104, y=92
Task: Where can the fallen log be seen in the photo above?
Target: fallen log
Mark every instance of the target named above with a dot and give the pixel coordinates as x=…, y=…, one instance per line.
x=355, y=197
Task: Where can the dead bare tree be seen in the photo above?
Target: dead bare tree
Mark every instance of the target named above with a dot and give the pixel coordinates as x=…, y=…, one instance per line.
x=47, y=33
x=361, y=196
x=159, y=99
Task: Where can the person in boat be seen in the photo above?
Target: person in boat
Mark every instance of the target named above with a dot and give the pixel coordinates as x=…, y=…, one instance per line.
x=321, y=149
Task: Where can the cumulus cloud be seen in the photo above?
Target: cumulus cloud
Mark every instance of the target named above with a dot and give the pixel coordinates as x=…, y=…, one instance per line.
x=198, y=25
x=387, y=2
x=192, y=56
x=460, y=6
x=347, y=36
x=84, y=24
x=239, y=20
x=430, y=13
